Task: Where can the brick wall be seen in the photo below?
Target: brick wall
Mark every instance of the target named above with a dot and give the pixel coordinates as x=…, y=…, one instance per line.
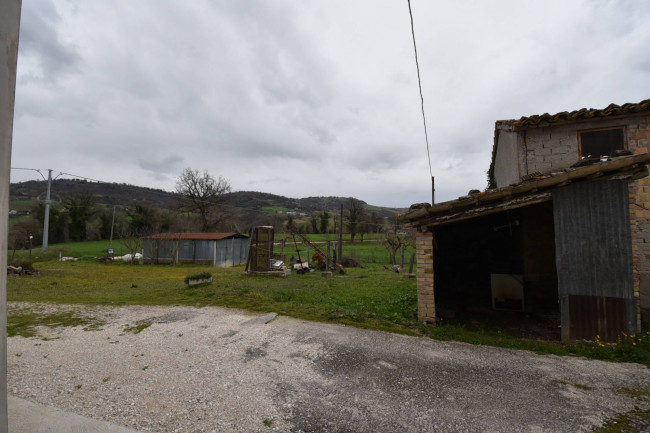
x=638, y=133
x=556, y=147
x=638, y=138
x=426, y=300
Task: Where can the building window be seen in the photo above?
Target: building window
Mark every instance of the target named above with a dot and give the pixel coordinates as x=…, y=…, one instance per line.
x=596, y=143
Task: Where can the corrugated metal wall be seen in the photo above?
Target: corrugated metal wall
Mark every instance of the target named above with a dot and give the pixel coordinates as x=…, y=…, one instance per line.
x=229, y=252
x=593, y=250
x=204, y=250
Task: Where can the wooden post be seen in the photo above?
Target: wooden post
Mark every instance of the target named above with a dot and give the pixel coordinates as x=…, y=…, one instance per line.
x=327, y=259
x=282, y=257
x=401, y=262
x=249, y=255
x=340, y=245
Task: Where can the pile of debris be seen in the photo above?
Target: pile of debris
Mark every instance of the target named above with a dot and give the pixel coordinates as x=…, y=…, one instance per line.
x=19, y=270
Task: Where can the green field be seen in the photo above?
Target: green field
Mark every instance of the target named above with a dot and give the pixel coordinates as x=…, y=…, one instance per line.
x=371, y=297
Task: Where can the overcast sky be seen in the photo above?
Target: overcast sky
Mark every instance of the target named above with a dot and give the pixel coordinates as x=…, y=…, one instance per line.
x=309, y=98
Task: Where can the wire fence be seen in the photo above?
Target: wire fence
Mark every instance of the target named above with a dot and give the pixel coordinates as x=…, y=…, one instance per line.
x=373, y=256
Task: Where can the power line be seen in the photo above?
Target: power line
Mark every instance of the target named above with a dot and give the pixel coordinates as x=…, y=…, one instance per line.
x=125, y=186
x=417, y=66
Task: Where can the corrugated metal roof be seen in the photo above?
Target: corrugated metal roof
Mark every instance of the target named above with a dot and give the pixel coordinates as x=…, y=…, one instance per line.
x=578, y=115
x=524, y=193
x=198, y=236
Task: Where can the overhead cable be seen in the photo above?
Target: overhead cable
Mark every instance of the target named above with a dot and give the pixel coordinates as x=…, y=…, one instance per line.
x=417, y=66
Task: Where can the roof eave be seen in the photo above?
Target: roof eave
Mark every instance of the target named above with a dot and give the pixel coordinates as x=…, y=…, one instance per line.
x=623, y=168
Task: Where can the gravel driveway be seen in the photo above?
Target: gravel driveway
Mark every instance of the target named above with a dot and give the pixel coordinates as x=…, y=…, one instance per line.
x=222, y=370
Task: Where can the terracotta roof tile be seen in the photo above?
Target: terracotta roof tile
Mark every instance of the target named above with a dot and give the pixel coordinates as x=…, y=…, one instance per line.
x=582, y=114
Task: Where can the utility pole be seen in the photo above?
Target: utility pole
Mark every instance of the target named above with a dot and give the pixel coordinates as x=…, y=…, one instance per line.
x=340, y=252
x=433, y=190
x=46, y=220
x=110, y=243
x=9, y=31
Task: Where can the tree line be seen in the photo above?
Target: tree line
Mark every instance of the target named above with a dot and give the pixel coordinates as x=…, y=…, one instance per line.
x=202, y=206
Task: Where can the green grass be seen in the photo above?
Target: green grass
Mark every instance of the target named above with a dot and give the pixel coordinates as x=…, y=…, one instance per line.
x=370, y=251
x=138, y=327
x=626, y=423
x=272, y=210
x=634, y=348
x=83, y=250
x=24, y=321
x=369, y=298
x=639, y=394
x=16, y=218
x=632, y=421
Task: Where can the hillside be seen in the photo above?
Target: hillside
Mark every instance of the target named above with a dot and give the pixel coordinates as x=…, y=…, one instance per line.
x=25, y=195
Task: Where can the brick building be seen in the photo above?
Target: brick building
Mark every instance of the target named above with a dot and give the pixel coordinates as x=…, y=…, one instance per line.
x=562, y=236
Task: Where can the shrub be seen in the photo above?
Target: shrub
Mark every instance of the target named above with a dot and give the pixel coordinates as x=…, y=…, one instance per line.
x=198, y=276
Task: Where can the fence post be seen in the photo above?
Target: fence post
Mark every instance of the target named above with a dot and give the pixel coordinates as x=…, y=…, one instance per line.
x=282, y=250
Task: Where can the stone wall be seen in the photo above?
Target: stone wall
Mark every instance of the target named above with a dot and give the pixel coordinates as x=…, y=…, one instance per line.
x=507, y=168
x=426, y=299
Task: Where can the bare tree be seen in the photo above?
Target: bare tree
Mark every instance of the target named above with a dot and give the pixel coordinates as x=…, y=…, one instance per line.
x=132, y=242
x=395, y=239
x=171, y=244
x=203, y=194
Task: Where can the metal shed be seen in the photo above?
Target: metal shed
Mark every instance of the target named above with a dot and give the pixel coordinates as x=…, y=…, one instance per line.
x=217, y=249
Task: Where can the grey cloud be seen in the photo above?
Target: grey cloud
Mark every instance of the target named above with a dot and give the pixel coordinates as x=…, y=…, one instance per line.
x=40, y=38
x=170, y=164
x=267, y=93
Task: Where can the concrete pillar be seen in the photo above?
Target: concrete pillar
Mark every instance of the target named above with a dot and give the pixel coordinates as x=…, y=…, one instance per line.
x=426, y=299
x=9, y=29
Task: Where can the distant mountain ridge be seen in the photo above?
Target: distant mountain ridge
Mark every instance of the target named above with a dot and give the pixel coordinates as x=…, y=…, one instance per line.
x=23, y=194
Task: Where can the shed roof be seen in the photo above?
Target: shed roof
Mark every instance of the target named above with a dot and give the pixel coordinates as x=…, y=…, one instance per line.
x=196, y=236
x=612, y=110
x=535, y=190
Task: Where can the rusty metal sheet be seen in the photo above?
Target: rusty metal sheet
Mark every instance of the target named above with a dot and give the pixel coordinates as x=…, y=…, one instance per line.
x=591, y=316
x=593, y=245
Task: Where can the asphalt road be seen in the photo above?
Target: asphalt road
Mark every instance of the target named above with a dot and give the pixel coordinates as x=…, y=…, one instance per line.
x=215, y=369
